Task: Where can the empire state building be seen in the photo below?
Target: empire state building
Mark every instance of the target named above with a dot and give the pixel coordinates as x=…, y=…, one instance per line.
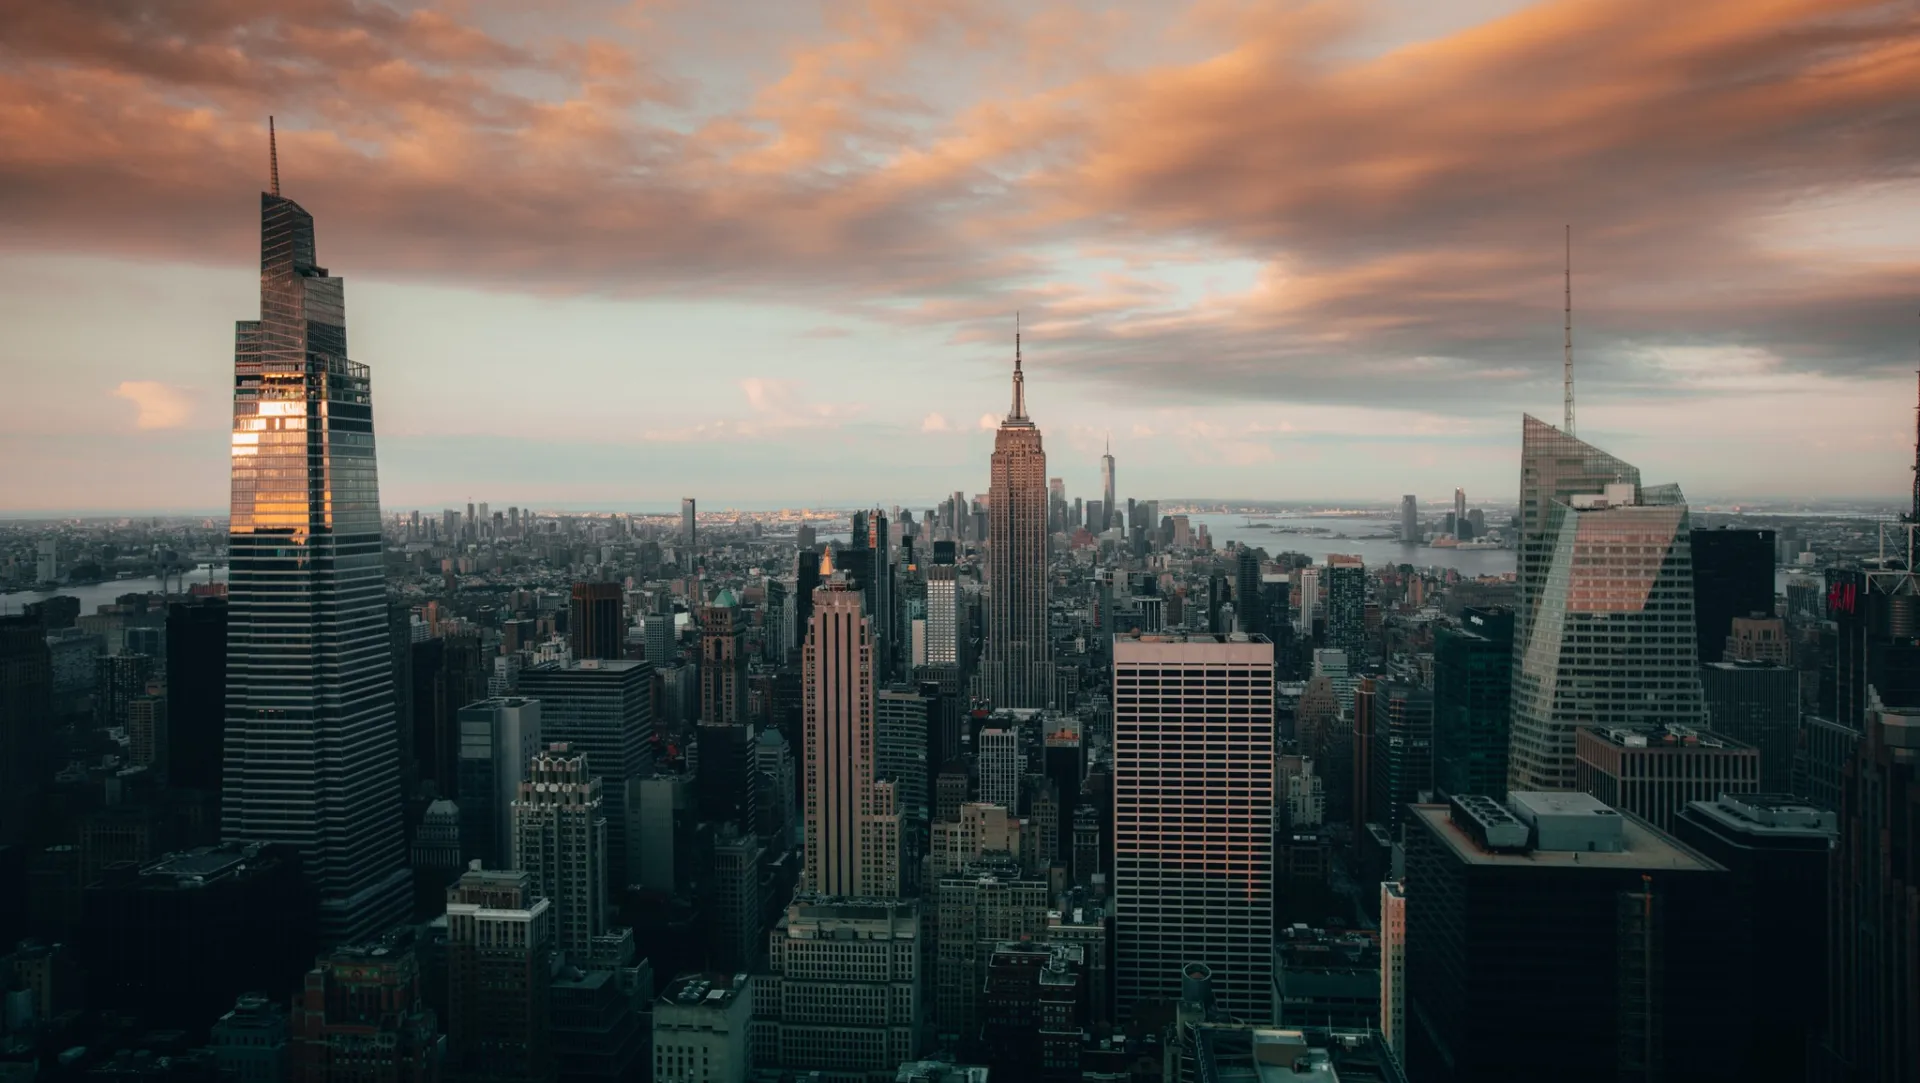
x=1018, y=668
x=312, y=751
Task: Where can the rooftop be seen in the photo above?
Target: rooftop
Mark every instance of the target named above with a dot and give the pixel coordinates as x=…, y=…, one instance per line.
x=1776, y=814
x=1231, y=1053
x=704, y=990
x=1670, y=737
x=204, y=865
x=1644, y=846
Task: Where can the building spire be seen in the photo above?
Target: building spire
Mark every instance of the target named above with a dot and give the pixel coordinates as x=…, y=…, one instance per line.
x=273, y=158
x=1019, y=378
x=1567, y=376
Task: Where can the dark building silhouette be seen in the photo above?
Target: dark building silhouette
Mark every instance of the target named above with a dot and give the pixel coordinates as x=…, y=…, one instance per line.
x=1758, y=703
x=1249, y=607
x=196, y=692
x=1776, y=849
x=1472, y=692
x=448, y=673
x=360, y=1015
x=596, y=622
x=1402, y=753
x=175, y=940
x=26, y=715
x=1732, y=577
x=1557, y=939
x=499, y=979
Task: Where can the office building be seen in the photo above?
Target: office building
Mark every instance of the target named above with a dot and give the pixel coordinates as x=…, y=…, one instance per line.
x=1776, y=849
x=943, y=615
x=1609, y=632
x=727, y=779
x=1732, y=577
x=499, y=979
x=1310, y=610
x=312, y=748
x=901, y=720
x=1347, y=606
x=1402, y=755
x=196, y=692
x=600, y=1030
x=700, y=1030
x=1108, y=494
x=597, y=621
x=1326, y=978
x=1193, y=876
x=249, y=1043
x=1002, y=764
x=1409, y=520
x=852, y=826
x=1874, y=950
x=988, y=901
x=1017, y=670
x=689, y=524
x=1554, y=466
x=1759, y=639
x=723, y=661
x=976, y=830
x=736, y=927
x=841, y=995
x=1758, y=703
x=498, y=740
x=1393, y=960
x=778, y=812
x=669, y=815
x=560, y=842
x=1033, y=1003
x=1654, y=771
x=1554, y=938
x=172, y=939
x=360, y=1014
x=602, y=710
x=1249, y=608
x=1472, y=688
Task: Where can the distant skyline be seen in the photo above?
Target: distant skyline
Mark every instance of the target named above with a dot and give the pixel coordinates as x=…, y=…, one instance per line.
x=769, y=255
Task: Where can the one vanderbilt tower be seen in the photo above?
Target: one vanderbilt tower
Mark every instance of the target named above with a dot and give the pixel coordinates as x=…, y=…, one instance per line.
x=1017, y=670
x=312, y=747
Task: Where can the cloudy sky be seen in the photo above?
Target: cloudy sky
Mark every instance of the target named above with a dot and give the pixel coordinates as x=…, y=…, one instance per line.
x=768, y=252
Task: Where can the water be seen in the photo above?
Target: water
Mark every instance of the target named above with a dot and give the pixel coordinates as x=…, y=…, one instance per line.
x=1374, y=551
x=99, y=594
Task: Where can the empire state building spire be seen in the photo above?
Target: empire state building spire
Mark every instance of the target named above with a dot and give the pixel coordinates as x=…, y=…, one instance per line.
x=1019, y=378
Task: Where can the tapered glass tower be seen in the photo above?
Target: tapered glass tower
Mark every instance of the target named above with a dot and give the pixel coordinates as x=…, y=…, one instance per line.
x=312, y=752
x=1017, y=670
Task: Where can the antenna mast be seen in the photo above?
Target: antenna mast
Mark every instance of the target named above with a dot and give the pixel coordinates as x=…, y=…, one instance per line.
x=1567, y=363
x=273, y=157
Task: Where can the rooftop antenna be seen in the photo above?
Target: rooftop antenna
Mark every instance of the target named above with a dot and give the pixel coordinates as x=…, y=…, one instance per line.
x=273, y=157
x=1567, y=376
x=1019, y=379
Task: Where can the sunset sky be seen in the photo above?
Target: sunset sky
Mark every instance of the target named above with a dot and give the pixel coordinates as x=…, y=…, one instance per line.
x=768, y=252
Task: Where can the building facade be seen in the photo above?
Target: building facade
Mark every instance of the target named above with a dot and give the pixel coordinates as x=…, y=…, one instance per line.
x=602, y=710
x=841, y=995
x=1655, y=771
x=1193, y=875
x=852, y=825
x=312, y=747
x=1018, y=669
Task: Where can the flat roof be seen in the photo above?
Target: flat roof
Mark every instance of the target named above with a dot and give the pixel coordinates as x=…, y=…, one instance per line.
x=1646, y=848
x=1781, y=815
x=1193, y=647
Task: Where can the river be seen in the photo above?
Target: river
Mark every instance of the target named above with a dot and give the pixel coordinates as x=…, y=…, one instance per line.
x=99, y=594
x=1374, y=551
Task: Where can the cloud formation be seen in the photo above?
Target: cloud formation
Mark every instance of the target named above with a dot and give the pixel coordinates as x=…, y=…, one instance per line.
x=158, y=405
x=1394, y=216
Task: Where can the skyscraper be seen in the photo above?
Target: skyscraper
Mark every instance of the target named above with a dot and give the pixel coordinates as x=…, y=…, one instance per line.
x=1347, y=606
x=943, y=615
x=1249, y=608
x=312, y=750
x=26, y=713
x=499, y=979
x=1107, y=497
x=1017, y=671
x=1606, y=606
x=689, y=523
x=596, y=623
x=560, y=842
x=498, y=739
x=1410, y=519
x=603, y=710
x=1472, y=695
x=852, y=822
x=196, y=691
x=1193, y=876
x=723, y=661
x=1732, y=577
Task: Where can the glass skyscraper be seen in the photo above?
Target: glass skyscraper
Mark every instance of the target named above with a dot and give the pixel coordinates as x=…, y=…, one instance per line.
x=312, y=752
x=1017, y=670
x=1606, y=581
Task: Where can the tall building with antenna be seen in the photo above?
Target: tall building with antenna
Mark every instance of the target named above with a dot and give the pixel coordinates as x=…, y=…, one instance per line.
x=312, y=748
x=1017, y=670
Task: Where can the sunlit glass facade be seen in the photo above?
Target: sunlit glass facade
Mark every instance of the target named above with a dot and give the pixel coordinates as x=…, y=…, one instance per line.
x=312, y=747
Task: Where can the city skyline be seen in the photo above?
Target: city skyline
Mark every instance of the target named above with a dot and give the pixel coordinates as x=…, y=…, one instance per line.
x=1223, y=331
